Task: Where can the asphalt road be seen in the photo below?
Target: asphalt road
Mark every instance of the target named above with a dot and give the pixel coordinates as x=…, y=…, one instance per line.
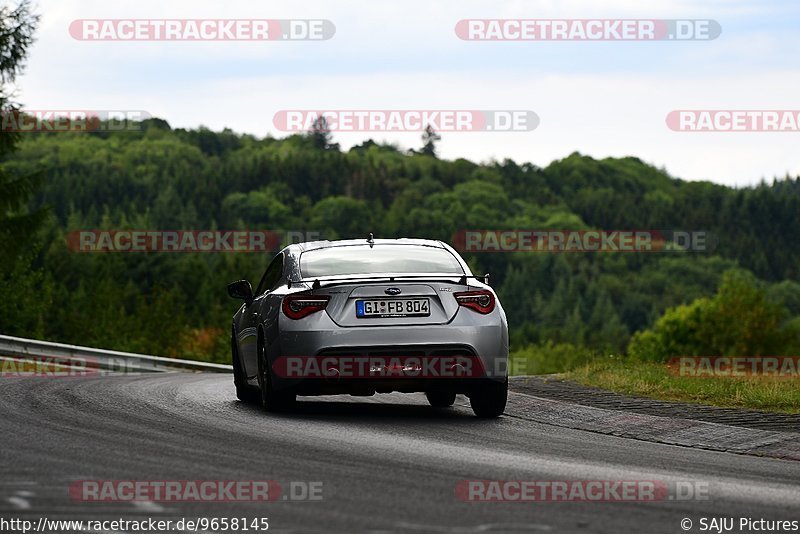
x=387, y=463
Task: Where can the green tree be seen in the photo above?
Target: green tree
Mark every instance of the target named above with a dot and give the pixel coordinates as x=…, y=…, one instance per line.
x=429, y=140
x=23, y=294
x=320, y=135
x=17, y=26
x=740, y=320
x=341, y=217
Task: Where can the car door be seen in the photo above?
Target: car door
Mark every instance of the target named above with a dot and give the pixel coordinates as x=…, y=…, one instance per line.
x=248, y=334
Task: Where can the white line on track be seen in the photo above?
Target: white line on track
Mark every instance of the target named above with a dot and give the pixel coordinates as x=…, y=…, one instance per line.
x=148, y=506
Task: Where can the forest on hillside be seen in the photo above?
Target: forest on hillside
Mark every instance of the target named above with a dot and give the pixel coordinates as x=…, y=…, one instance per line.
x=562, y=308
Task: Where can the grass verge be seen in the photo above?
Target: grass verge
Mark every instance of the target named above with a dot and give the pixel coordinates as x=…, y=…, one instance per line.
x=656, y=381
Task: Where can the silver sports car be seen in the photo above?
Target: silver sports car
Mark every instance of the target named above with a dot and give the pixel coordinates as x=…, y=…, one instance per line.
x=370, y=316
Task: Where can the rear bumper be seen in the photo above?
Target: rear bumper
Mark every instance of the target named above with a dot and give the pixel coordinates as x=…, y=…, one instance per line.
x=359, y=387
x=481, y=338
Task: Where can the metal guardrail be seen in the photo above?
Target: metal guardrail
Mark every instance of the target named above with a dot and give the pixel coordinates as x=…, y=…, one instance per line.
x=111, y=360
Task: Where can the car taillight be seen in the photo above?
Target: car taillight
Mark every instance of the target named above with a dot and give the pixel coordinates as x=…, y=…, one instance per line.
x=298, y=306
x=481, y=301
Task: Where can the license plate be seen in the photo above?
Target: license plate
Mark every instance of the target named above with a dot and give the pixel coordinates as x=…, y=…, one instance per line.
x=393, y=308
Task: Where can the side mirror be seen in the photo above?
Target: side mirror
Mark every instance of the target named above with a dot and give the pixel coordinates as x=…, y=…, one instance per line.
x=241, y=290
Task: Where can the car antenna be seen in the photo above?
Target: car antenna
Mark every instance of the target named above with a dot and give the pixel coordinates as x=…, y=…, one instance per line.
x=371, y=240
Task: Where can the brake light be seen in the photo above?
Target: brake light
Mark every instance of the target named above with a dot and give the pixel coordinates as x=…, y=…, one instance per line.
x=299, y=306
x=481, y=301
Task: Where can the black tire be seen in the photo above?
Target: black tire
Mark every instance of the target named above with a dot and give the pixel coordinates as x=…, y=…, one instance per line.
x=441, y=399
x=244, y=392
x=271, y=400
x=488, y=400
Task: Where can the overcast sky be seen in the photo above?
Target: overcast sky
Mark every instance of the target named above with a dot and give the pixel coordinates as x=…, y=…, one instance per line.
x=598, y=98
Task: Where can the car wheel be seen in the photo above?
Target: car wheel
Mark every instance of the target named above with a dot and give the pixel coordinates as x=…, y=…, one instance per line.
x=441, y=399
x=489, y=399
x=244, y=392
x=271, y=400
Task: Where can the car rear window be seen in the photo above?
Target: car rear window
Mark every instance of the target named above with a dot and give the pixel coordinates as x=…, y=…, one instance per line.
x=380, y=259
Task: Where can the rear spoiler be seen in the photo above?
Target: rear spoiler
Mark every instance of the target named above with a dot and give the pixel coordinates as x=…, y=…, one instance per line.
x=316, y=283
